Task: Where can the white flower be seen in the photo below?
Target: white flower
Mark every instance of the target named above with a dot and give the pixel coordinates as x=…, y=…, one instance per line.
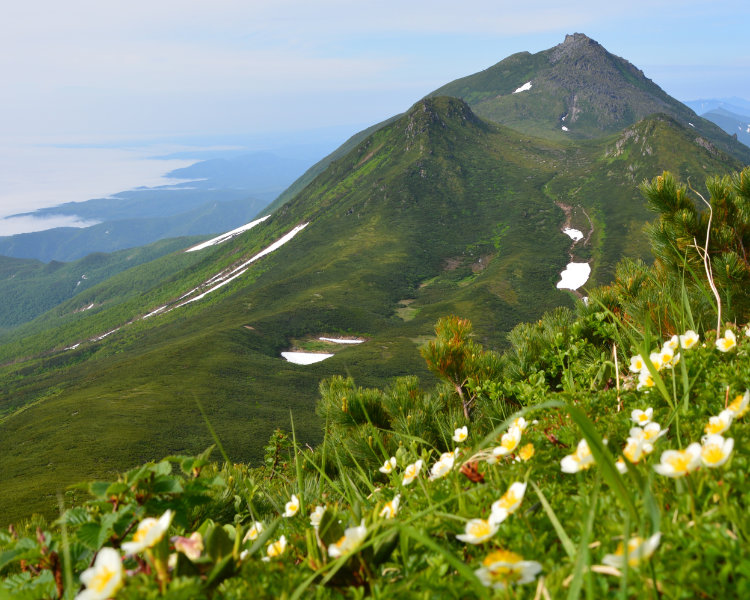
x=316, y=516
x=672, y=343
x=676, y=463
x=508, y=443
x=719, y=424
x=443, y=466
x=478, y=531
x=149, y=533
x=621, y=466
x=716, y=450
x=104, y=578
x=636, y=448
x=726, y=343
x=291, y=507
x=520, y=423
x=352, y=538
x=580, y=460
x=650, y=433
x=655, y=358
x=689, y=339
x=503, y=568
x=668, y=358
x=391, y=508
x=642, y=417
x=638, y=551
x=255, y=530
x=740, y=405
x=636, y=363
x=645, y=380
x=511, y=499
x=388, y=465
x=276, y=549
x=411, y=472
x=460, y=434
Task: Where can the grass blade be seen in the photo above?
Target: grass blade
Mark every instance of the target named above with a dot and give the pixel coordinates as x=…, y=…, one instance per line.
x=565, y=540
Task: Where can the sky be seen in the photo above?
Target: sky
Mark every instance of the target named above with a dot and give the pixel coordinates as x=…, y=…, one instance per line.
x=134, y=72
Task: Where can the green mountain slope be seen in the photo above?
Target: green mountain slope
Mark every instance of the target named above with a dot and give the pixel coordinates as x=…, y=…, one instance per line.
x=31, y=287
x=438, y=212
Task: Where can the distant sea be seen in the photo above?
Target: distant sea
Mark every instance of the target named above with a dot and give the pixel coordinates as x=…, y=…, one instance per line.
x=40, y=175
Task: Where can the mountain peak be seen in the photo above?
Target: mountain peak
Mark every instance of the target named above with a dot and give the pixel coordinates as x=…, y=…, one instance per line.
x=439, y=112
x=575, y=45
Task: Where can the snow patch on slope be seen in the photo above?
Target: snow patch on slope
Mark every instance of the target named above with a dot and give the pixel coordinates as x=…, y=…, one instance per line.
x=227, y=236
x=220, y=279
x=224, y=277
x=304, y=358
x=525, y=87
x=340, y=340
x=574, y=276
x=573, y=234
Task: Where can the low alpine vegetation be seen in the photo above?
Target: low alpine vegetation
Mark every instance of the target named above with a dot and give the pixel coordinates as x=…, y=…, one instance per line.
x=605, y=455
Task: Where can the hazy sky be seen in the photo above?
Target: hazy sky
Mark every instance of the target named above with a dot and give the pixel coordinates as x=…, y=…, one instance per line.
x=132, y=74
x=93, y=69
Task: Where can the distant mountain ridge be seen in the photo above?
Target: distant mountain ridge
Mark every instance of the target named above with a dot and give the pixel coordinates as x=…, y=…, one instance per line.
x=576, y=84
x=577, y=90
x=731, y=114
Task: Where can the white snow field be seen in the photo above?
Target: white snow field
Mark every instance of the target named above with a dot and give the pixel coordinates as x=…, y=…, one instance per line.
x=304, y=358
x=525, y=87
x=573, y=234
x=574, y=276
x=227, y=236
x=340, y=340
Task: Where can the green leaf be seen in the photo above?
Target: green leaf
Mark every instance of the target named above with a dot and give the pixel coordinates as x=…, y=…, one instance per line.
x=330, y=530
x=218, y=543
x=25, y=549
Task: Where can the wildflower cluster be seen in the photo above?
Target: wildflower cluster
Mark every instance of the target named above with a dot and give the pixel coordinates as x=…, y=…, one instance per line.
x=665, y=358
x=415, y=515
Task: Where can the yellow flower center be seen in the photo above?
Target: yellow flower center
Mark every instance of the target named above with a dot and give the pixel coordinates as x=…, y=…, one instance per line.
x=630, y=452
x=508, y=500
x=715, y=425
x=502, y=556
x=479, y=528
x=509, y=442
x=277, y=548
x=679, y=462
x=712, y=453
x=143, y=529
x=736, y=406
x=101, y=579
